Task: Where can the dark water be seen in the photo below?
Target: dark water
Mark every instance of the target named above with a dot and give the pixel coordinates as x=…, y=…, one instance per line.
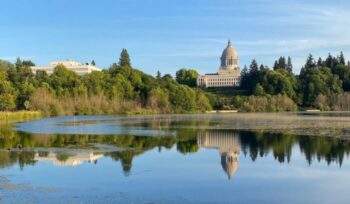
x=173, y=159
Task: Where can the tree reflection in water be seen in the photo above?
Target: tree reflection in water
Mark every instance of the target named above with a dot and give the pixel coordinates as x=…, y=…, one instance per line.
x=230, y=145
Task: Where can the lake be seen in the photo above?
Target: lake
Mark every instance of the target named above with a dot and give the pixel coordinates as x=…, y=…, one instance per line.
x=207, y=158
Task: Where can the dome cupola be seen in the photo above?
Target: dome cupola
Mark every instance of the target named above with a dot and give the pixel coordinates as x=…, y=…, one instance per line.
x=229, y=57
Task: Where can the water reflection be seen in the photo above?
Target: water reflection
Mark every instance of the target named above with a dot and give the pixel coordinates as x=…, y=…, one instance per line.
x=66, y=159
x=228, y=144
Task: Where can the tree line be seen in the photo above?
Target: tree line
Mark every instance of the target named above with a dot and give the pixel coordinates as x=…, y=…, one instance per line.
x=322, y=83
x=116, y=90
x=119, y=89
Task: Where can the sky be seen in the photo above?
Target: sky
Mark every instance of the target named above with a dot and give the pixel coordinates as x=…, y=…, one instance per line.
x=169, y=35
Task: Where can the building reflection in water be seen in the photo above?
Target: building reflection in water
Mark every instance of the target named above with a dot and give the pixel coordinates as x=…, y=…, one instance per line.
x=228, y=144
x=68, y=160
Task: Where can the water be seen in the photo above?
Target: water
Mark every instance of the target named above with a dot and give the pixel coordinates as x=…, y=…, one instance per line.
x=231, y=158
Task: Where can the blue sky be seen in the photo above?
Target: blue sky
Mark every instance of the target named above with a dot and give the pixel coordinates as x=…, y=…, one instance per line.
x=168, y=35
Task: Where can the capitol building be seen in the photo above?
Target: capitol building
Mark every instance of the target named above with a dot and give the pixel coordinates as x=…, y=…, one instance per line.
x=229, y=74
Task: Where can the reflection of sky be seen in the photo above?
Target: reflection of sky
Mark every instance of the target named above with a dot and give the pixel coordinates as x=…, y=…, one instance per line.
x=102, y=125
x=170, y=175
x=164, y=125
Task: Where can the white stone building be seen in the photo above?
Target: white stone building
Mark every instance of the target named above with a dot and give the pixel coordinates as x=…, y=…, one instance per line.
x=80, y=69
x=229, y=74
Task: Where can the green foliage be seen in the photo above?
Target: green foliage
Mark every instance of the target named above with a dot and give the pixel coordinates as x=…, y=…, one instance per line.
x=5, y=65
x=267, y=103
x=7, y=93
x=182, y=98
x=202, y=102
x=316, y=81
x=327, y=78
x=258, y=90
x=158, y=99
x=187, y=77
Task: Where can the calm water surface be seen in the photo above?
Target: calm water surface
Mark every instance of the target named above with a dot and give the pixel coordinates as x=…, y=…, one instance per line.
x=174, y=159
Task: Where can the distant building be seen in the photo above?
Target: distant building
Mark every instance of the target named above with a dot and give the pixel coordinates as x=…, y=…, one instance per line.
x=80, y=69
x=74, y=160
x=229, y=74
x=228, y=144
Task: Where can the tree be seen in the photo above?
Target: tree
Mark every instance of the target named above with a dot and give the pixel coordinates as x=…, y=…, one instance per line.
x=254, y=67
x=93, y=63
x=258, y=90
x=18, y=63
x=124, y=59
x=331, y=61
x=281, y=64
x=63, y=80
x=159, y=75
x=310, y=63
x=245, y=77
x=158, y=99
x=187, y=77
x=275, y=65
x=319, y=62
x=183, y=98
x=5, y=65
x=262, y=67
x=341, y=59
x=289, y=67
x=202, y=101
x=317, y=81
x=7, y=94
x=279, y=82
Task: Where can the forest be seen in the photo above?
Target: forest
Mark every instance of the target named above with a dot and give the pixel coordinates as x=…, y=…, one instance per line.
x=122, y=89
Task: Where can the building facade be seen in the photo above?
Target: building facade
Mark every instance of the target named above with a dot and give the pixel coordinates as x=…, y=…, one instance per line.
x=229, y=74
x=80, y=69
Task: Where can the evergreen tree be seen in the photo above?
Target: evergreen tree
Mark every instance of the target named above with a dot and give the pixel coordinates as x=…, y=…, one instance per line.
x=289, y=67
x=310, y=63
x=329, y=61
x=124, y=59
x=159, y=75
x=275, y=65
x=319, y=62
x=18, y=63
x=93, y=63
x=341, y=59
x=282, y=63
x=244, y=77
x=254, y=66
x=262, y=67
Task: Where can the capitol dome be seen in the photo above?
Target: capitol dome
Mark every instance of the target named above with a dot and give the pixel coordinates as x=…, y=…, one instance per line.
x=229, y=57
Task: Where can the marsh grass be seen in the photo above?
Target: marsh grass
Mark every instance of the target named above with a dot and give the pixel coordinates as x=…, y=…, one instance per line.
x=19, y=116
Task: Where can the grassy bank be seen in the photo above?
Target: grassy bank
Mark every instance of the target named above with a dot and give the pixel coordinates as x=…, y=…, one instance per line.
x=19, y=115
